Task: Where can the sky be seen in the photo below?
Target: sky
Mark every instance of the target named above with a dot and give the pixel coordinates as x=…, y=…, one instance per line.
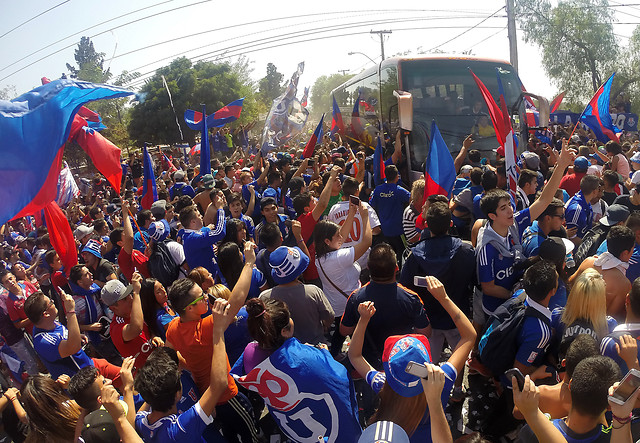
x=131, y=35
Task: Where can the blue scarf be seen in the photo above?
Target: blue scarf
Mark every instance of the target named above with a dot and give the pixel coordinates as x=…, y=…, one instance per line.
x=91, y=313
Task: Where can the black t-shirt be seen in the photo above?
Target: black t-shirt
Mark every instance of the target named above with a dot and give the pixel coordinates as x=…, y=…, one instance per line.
x=103, y=270
x=625, y=200
x=609, y=197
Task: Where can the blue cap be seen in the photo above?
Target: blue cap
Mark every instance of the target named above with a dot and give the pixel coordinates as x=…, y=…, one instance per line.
x=581, y=163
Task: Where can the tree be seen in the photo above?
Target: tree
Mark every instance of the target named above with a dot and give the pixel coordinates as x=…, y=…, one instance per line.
x=270, y=86
x=8, y=92
x=214, y=84
x=321, y=100
x=579, y=49
x=90, y=63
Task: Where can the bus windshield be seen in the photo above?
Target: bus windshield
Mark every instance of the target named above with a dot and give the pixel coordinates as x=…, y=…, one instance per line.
x=444, y=90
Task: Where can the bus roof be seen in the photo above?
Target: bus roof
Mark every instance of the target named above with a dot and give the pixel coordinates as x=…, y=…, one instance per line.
x=396, y=60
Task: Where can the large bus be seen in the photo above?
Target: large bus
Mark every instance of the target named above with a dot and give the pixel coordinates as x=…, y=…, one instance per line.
x=442, y=89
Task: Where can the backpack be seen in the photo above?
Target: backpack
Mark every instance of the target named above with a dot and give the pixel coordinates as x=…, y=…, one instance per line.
x=498, y=344
x=590, y=243
x=161, y=265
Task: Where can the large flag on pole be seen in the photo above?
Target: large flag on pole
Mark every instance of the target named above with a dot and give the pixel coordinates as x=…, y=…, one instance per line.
x=313, y=141
x=494, y=110
x=356, y=124
x=379, y=175
x=555, y=103
x=149, y=190
x=596, y=115
x=509, y=145
x=336, y=120
x=196, y=121
x=440, y=172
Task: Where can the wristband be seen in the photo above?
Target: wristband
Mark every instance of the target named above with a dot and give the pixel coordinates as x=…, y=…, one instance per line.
x=11, y=399
x=71, y=312
x=623, y=420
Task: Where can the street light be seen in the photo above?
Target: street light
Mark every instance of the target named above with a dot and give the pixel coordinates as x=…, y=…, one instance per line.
x=362, y=53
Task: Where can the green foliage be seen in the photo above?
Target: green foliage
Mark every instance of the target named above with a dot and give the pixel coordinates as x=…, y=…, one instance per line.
x=90, y=63
x=270, y=86
x=579, y=49
x=320, y=96
x=8, y=93
x=214, y=84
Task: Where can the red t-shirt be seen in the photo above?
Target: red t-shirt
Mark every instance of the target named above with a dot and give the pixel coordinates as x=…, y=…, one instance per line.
x=15, y=304
x=140, y=346
x=571, y=182
x=194, y=341
x=129, y=263
x=308, y=223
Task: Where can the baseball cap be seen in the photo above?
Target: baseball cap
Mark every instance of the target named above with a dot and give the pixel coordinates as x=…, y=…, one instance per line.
x=555, y=249
x=159, y=230
x=500, y=151
x=399, y=350
x=208, y=181
x=383, y=432
x=113, y=291
x=614, y=215
x=99, y=428
x=581, y=163
x=179, y=176
x=82, y=231
x=287, y=264
x=531, y=160
x=466, y=169
x=635, y=157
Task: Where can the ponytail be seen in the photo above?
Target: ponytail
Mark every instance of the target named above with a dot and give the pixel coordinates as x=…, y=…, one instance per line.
x=266, y=321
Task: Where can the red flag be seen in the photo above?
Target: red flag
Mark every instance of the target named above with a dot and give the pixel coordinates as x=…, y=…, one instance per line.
x=313, y=141
x=104, y=154
x=555, y=103
x=494, y=111
x=60, y=235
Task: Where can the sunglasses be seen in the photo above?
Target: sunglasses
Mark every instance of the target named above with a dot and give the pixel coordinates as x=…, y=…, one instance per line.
x=196, y=300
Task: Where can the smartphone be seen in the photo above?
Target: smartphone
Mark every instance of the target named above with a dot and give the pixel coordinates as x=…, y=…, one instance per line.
x=416, y=369
x=354, y=200
x=515, y=372
x=629, y=384
x=287, y=223
x=420, y=281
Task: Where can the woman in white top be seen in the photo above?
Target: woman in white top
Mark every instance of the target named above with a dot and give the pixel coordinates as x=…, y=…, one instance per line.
x=619, y=162
x=337, y=266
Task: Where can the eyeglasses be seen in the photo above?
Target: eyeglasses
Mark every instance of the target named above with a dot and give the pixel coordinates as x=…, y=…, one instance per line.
x=560, y=216
x=196, y=300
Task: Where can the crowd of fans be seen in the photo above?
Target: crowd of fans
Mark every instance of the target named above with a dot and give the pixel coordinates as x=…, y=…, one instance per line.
x=287, y=299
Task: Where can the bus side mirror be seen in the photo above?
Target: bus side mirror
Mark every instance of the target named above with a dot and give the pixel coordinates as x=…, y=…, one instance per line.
x=544, y=111
x=405, y=109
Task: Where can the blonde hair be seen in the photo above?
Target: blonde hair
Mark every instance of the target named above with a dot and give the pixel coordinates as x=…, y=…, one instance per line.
x=220, y=291
x=417, y=193
x=588, y=301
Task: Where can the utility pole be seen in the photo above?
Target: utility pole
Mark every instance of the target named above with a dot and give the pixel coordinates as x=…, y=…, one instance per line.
x=343, y=71
x=380, y=33
x=511, y=31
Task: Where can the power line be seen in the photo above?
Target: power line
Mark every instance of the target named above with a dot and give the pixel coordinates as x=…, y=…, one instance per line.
x=486, y=38
x=464, y=32
x=242, y=51
x=34, y=17
x=103, y=32
x=80, y=32
x=281, y=36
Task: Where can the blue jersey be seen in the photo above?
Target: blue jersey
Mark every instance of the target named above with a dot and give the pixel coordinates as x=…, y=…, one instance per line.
x=608, y=344
x=633, y=271
x=531, y=239
x=534, y=336
x=493, y=266
x=246, y=196
x=248, y=221
x=258, y=280
x=46, y=344
x=578, y=213
x=477, y=212
x=422, y=434
x=187, y=426
x=389, y=201
x=198, y=245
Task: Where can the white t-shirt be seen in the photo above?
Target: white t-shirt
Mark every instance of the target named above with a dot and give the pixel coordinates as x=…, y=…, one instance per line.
x=344, y=273
x=177, y=253
x=338, y=214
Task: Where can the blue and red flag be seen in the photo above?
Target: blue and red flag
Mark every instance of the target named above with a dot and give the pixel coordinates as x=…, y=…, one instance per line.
x=313, y=141
x=221, y=117
x=33, y=130
x=440, y=173
x=596, y=115
x=288, y=383
x=195, y=121
x=379, y=176
x=104, y=154
x=497, y=119
x=336, y=120
x=149, y=190
x=356, y=124
x=305, y=96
